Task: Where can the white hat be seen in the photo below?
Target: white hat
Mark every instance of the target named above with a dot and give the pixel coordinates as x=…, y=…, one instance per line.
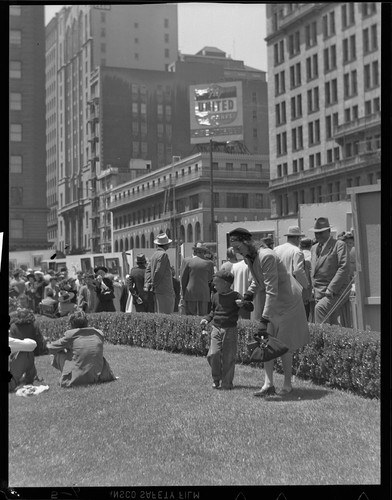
x=162, y=239
x=294, y=231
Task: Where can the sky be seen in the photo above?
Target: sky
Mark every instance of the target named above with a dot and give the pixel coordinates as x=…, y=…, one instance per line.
x=238, y=29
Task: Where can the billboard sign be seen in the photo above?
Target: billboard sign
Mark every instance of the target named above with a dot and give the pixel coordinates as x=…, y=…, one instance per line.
x=216, y=112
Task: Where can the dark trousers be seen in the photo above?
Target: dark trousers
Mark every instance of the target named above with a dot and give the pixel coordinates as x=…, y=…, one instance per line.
x=22, y=363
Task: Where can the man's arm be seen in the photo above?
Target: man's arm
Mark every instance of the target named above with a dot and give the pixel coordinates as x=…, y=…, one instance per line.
x=299, y=269
x=26, y=345
x=342, y=274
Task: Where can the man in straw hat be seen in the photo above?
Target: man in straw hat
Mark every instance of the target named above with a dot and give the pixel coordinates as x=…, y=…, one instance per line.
x=292, y=257
x=196, y=275
x=158, y=276
x=330, y=270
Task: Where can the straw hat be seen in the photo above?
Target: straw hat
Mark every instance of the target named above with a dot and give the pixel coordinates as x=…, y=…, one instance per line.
x=65, y=296
x=294, y=231
x=162, y=240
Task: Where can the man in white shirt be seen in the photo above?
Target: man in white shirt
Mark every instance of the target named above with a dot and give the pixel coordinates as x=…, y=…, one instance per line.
x=292, y=257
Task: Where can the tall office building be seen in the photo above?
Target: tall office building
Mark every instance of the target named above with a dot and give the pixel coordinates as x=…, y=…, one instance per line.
x=324, y=101
x=27, y=176
x=79, y=40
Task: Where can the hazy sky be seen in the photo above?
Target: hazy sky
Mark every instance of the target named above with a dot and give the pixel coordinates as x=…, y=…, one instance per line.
x=238, y=29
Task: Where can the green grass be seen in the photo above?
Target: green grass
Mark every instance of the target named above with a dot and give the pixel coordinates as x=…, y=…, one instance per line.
x=162, y=424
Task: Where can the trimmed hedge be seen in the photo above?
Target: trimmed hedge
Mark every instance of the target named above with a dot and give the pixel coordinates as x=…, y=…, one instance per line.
x=336, y=357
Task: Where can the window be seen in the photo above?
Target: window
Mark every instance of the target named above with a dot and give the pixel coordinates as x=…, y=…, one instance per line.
x=331, y=92
x=194, y=202
x=166, y=23
x=166, y=38
x=136, y=56
x=371, y=75
x=328, y=127
x=280, y=86
x=311, y=67
x=16, y=228
x=16, y=38
x=350, y=84
x=15, y=69
x=229, y=166
x=329, y=25
x=296, y=106
x=15, y=101
x=297, y=138
x=313, y=100
x=16, y=164
x=294, y=44
x=280, y=113
x=348, y=15
x=295, y=166
x=103, y=17
x=167, y=53
x=368, y=8
x=237, y=200
x=103, y=32
x=330, y=58
x=279, y=52
x=349, y=50
x=103, y=47
x=301, y=164
x=311, y=34
x=16, y=196
x=376, y=105
x=244, y=167
x=281, y=142
x=259, y=200
x=15, y=132
x=314, y=132
x=295, y=75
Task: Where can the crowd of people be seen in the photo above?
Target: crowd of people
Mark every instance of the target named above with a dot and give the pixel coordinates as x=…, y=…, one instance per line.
x=282, y=287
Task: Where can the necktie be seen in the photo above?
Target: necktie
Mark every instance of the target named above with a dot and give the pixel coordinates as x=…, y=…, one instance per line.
x=318, y=250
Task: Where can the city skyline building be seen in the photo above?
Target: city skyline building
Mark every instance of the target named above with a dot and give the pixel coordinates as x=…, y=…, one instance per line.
x=79, y=40
x=110, y=118
x=27, y=173
x=324, y=99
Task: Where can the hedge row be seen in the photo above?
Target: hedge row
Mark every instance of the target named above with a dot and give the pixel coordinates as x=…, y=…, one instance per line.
x=336, y=357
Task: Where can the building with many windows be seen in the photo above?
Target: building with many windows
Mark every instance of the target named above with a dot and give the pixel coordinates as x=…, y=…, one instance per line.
x=176, y=199
x=80, y=39
x=27, y=176
x=324, y=63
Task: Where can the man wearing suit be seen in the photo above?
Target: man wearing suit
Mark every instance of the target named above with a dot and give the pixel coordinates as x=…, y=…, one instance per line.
x=158, y=277
x=136, y=286
x=329, y=271
x=196, y=276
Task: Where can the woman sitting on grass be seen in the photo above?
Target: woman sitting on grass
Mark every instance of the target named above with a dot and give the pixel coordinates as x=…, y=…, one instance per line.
x=79, y=354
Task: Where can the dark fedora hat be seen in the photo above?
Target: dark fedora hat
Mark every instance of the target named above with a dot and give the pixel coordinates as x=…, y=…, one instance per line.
x=321, y=224
x=100, y=268
x=240, y=232
x=140, y=258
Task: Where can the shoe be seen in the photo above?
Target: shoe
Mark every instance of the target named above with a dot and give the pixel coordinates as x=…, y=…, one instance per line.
x=216, y=384
x=284, y=392
x=262, y=393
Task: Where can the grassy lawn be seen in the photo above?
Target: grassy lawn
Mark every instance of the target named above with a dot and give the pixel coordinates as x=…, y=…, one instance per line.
x=162, y=424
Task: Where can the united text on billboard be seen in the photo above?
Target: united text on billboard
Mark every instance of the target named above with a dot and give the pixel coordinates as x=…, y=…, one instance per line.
x=216, y=112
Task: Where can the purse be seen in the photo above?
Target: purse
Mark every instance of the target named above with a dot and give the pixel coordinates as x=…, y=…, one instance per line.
x=265, y=349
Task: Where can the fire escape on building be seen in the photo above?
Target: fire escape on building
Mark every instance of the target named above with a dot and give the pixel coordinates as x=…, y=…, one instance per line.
x=93, y=160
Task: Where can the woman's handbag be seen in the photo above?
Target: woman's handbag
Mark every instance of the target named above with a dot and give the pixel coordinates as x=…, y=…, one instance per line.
x=265, y=349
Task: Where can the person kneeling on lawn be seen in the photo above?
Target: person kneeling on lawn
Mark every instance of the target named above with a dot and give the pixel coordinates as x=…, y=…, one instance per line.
x=79, y=354
x=226, y=304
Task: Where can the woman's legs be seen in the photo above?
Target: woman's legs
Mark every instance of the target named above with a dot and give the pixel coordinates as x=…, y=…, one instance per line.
x=268, y=374
x=287, y=362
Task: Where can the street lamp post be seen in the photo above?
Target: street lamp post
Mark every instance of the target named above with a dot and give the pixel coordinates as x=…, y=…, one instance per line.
x=212, y=232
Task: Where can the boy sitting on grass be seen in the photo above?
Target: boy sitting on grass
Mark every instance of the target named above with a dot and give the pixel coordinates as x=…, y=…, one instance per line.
x=224, y=316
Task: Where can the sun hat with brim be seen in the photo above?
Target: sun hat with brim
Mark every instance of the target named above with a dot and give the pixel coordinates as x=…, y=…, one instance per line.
x=30, y=275
x=64, y=296
x=294, y=231
x=39, y=273
x=321, y=224
x=162, y=239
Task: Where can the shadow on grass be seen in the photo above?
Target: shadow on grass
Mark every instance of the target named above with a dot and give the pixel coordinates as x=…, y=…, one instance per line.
x=300, y=394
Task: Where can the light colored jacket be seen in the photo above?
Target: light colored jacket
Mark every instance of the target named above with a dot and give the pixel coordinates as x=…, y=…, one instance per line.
x=294, y=260
x=196, y=274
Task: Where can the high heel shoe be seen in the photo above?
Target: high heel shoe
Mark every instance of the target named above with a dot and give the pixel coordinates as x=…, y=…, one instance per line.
x=268, y=391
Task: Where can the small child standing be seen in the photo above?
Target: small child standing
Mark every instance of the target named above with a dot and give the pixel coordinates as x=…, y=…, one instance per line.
x=224, y=316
